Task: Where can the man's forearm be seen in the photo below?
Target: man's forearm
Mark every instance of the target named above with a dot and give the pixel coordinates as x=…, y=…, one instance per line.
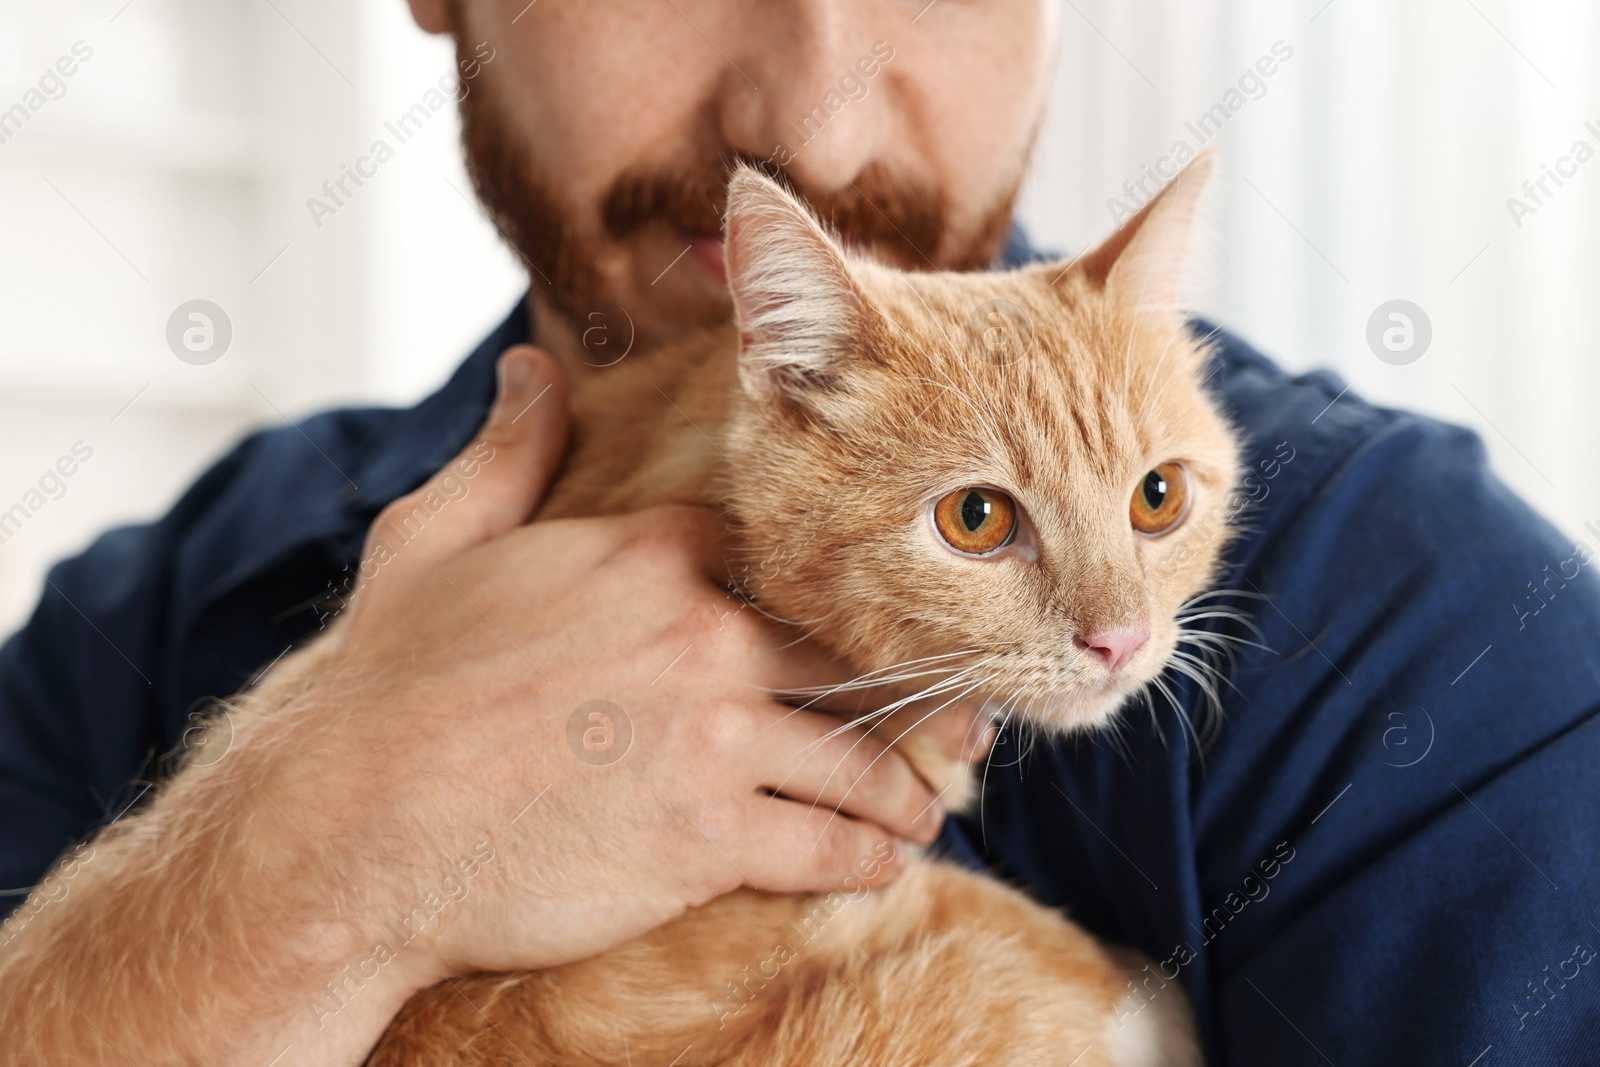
x=195, y=931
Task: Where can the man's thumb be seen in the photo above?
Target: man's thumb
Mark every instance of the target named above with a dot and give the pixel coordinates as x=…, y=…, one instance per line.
x=496, y=482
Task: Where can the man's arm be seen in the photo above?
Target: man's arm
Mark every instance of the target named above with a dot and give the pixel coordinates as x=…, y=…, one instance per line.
x=415, y=807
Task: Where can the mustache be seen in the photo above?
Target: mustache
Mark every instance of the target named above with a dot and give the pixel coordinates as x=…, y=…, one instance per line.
x=900, y=219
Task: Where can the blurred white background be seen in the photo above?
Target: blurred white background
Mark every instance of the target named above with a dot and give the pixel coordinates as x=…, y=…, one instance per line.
x=1374, y=164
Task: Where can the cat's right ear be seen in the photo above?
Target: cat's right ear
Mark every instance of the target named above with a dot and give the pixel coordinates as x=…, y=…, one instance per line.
x=1146, y=263
x=796, y=306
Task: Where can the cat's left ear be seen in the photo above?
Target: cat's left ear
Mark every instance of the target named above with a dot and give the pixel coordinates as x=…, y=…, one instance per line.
x=796, y=306
x=1146, y=263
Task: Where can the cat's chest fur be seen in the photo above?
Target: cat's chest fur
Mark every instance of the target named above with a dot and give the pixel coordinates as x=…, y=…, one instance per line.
x=650, y=431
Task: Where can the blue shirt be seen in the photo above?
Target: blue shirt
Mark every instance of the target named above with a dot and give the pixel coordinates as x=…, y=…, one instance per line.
x=1388, y=855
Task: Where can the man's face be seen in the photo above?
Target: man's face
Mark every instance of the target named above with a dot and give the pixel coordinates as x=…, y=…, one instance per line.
x=600, y=133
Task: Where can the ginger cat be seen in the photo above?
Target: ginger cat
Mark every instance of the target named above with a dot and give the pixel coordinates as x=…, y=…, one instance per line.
x=1025, y=523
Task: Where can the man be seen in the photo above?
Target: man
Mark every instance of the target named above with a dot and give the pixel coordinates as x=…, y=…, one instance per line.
x=1384, y=855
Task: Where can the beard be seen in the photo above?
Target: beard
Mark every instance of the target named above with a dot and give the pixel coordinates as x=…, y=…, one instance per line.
x=894, y=218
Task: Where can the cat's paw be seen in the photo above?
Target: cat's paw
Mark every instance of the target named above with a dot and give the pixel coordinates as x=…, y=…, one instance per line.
x=1152, y=1031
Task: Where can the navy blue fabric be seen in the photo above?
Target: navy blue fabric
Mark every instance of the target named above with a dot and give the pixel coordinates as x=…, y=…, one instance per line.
x=1387, y=856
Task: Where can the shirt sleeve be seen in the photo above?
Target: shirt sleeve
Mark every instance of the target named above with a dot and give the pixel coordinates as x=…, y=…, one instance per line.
x=1422, y=743
x=77, y=685
x=133, y=639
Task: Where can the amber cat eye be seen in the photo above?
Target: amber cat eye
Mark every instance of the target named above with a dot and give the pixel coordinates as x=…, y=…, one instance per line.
x=976, y=520
x=1159, y=501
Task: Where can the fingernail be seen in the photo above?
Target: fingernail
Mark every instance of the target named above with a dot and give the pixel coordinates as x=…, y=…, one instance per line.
x=985, y=741
x=514, y=372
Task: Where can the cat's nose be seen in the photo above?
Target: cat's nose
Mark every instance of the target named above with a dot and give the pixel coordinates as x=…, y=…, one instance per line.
x=1116, y=646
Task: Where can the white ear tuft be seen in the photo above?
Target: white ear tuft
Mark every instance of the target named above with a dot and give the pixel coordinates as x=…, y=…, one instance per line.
x=795, y=303
x=1146, y=263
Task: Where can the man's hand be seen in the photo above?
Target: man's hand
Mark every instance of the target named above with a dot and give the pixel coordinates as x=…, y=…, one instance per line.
x=524, y=744
x=584, y=697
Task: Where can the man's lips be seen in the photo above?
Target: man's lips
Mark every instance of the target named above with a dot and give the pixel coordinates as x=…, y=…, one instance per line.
x=706, y=248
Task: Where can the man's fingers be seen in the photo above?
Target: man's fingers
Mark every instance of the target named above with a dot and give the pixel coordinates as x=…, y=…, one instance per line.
x=698, y=536
x=962, y=729
x=794, y=849
x=850, y=771
x=494, y=484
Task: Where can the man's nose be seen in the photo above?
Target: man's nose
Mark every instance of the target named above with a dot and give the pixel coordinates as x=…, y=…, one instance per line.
x=808, y=89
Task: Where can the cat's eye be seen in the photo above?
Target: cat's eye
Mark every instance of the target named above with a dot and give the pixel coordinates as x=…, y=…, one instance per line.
x=1160, y=499
x=976, y=520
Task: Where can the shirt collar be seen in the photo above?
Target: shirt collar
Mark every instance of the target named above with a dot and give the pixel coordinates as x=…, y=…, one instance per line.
x=422, y=439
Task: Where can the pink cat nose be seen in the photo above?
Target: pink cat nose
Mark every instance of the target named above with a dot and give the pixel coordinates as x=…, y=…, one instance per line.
x=1117, y=646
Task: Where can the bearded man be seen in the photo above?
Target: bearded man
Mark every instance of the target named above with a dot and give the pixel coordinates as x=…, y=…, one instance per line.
x=1385, y=855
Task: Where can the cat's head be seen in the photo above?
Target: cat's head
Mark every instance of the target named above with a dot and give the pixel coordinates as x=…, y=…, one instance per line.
x=1017, y=472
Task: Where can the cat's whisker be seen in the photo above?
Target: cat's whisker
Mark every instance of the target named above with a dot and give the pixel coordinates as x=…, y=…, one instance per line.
x=1221, y=642
x=988, y=761
x=1213, y=613
x=1183, y=618
x=1210, y=675
x=1206, y=674
x=1210, y=593
x=1183, y=716
x=886, y=749
x=815, y=693
x=910, y=676
x=869, y=718
x=1028, y=727
x=868, y=681
x=929, y=692
x=1226, y=645
x=879, y=676
x=1114, y=731
x=808, y=626
x=1155, y=720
